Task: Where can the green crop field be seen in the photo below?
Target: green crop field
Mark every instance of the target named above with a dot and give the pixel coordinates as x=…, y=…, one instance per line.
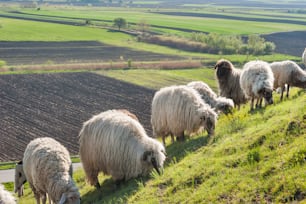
x=174, y=23
x=160, y=78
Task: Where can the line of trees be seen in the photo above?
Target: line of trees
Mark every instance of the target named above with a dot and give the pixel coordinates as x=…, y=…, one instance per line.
x=214, y=43
x=234, y=44
x=209, y=43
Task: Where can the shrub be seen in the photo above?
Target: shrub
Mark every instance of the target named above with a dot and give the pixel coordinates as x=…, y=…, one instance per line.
x=214, y=43
x=2, y=63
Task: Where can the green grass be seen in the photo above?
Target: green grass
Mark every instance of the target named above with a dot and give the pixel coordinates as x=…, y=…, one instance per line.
x=200, y=24
x=254, y=157
x=159, y=78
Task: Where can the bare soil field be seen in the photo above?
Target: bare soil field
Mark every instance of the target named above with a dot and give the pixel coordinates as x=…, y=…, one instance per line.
x=56, y=105
x=292, y=43
x=31, y=52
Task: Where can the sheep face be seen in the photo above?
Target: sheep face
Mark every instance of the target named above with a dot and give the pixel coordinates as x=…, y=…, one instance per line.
x=155, y=159
x=267, y=95
x=224, y=105
x=223, y=69
x=20, y=179
x=70, y=197
x=208, y=123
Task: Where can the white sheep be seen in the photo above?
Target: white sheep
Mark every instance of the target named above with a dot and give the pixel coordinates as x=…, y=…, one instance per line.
x=228, y=78
x=221, y=104
x=304, y=57
x=46, y=166
x=6, y=197
x=257, y=82
x=290, y=73
x=116, y=144
x=177, y=109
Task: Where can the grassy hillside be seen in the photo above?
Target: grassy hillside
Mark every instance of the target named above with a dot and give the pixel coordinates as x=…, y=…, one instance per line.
x=254, y=157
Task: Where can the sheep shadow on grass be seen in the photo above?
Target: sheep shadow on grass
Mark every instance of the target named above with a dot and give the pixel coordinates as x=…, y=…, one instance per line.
x=110, y=193
x=178, y=150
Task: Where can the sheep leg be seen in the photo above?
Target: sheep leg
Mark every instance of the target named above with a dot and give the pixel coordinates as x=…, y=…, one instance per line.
x=119, y=182
x=181, y=137
x=172, y=137
x=164, y=141
x=259, y=102
x=43, y=198
x=252, y=103
x=282, y=92
x=37, y=197
x=287, y=91
x=50, y=202
x=97, y=185
x=36, y=194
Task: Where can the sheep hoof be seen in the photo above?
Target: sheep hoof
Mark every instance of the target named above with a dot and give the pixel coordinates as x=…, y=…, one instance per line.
x=119, y=182
x=97, y=185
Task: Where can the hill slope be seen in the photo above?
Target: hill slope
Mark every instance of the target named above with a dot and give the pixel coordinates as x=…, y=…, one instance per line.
x=256, y=157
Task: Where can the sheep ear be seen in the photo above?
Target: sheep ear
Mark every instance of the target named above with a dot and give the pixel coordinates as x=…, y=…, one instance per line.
x=145, y=155
x=63, y=199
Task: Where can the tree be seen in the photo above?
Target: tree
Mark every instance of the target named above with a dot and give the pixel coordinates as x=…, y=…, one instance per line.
x=120, y=23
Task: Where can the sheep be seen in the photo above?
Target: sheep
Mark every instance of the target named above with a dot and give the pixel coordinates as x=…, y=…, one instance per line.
x=290, y=73
x=6, y=197
x=46, y=165
x=221, y=104
x=117, y=145
x=257, y=82
x=228, y=80
x=20, y=179
x=304, y=57
x=176, y=109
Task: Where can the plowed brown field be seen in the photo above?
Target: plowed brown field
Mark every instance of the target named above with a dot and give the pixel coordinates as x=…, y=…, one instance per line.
x=30, y=52
x=56, y=105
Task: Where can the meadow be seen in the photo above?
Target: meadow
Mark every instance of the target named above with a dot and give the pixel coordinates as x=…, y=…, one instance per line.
x=254, y=157
x=67, y=23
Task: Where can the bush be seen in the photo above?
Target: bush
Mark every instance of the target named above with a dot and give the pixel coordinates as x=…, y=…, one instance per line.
x=2, y=63
x=214, y=43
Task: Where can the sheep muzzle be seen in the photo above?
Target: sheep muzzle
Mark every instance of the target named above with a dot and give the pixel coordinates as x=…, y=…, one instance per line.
x=154, y=163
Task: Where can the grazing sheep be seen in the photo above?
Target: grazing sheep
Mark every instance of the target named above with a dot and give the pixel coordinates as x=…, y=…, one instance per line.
x=20, y=179
x=117, y=145
x=176, y=109
x=221, y=104
x=6, y=197
x=287, y=72
x=46, y=166
x=228, y=79
x=257, y=82
x=304, y=57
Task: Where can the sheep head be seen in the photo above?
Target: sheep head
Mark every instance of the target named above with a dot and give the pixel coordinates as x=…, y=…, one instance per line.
x=152, y=159
x=20, y=179
x=223, y=68
x=71, y=197
x=208, y=120
x=267, y=94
